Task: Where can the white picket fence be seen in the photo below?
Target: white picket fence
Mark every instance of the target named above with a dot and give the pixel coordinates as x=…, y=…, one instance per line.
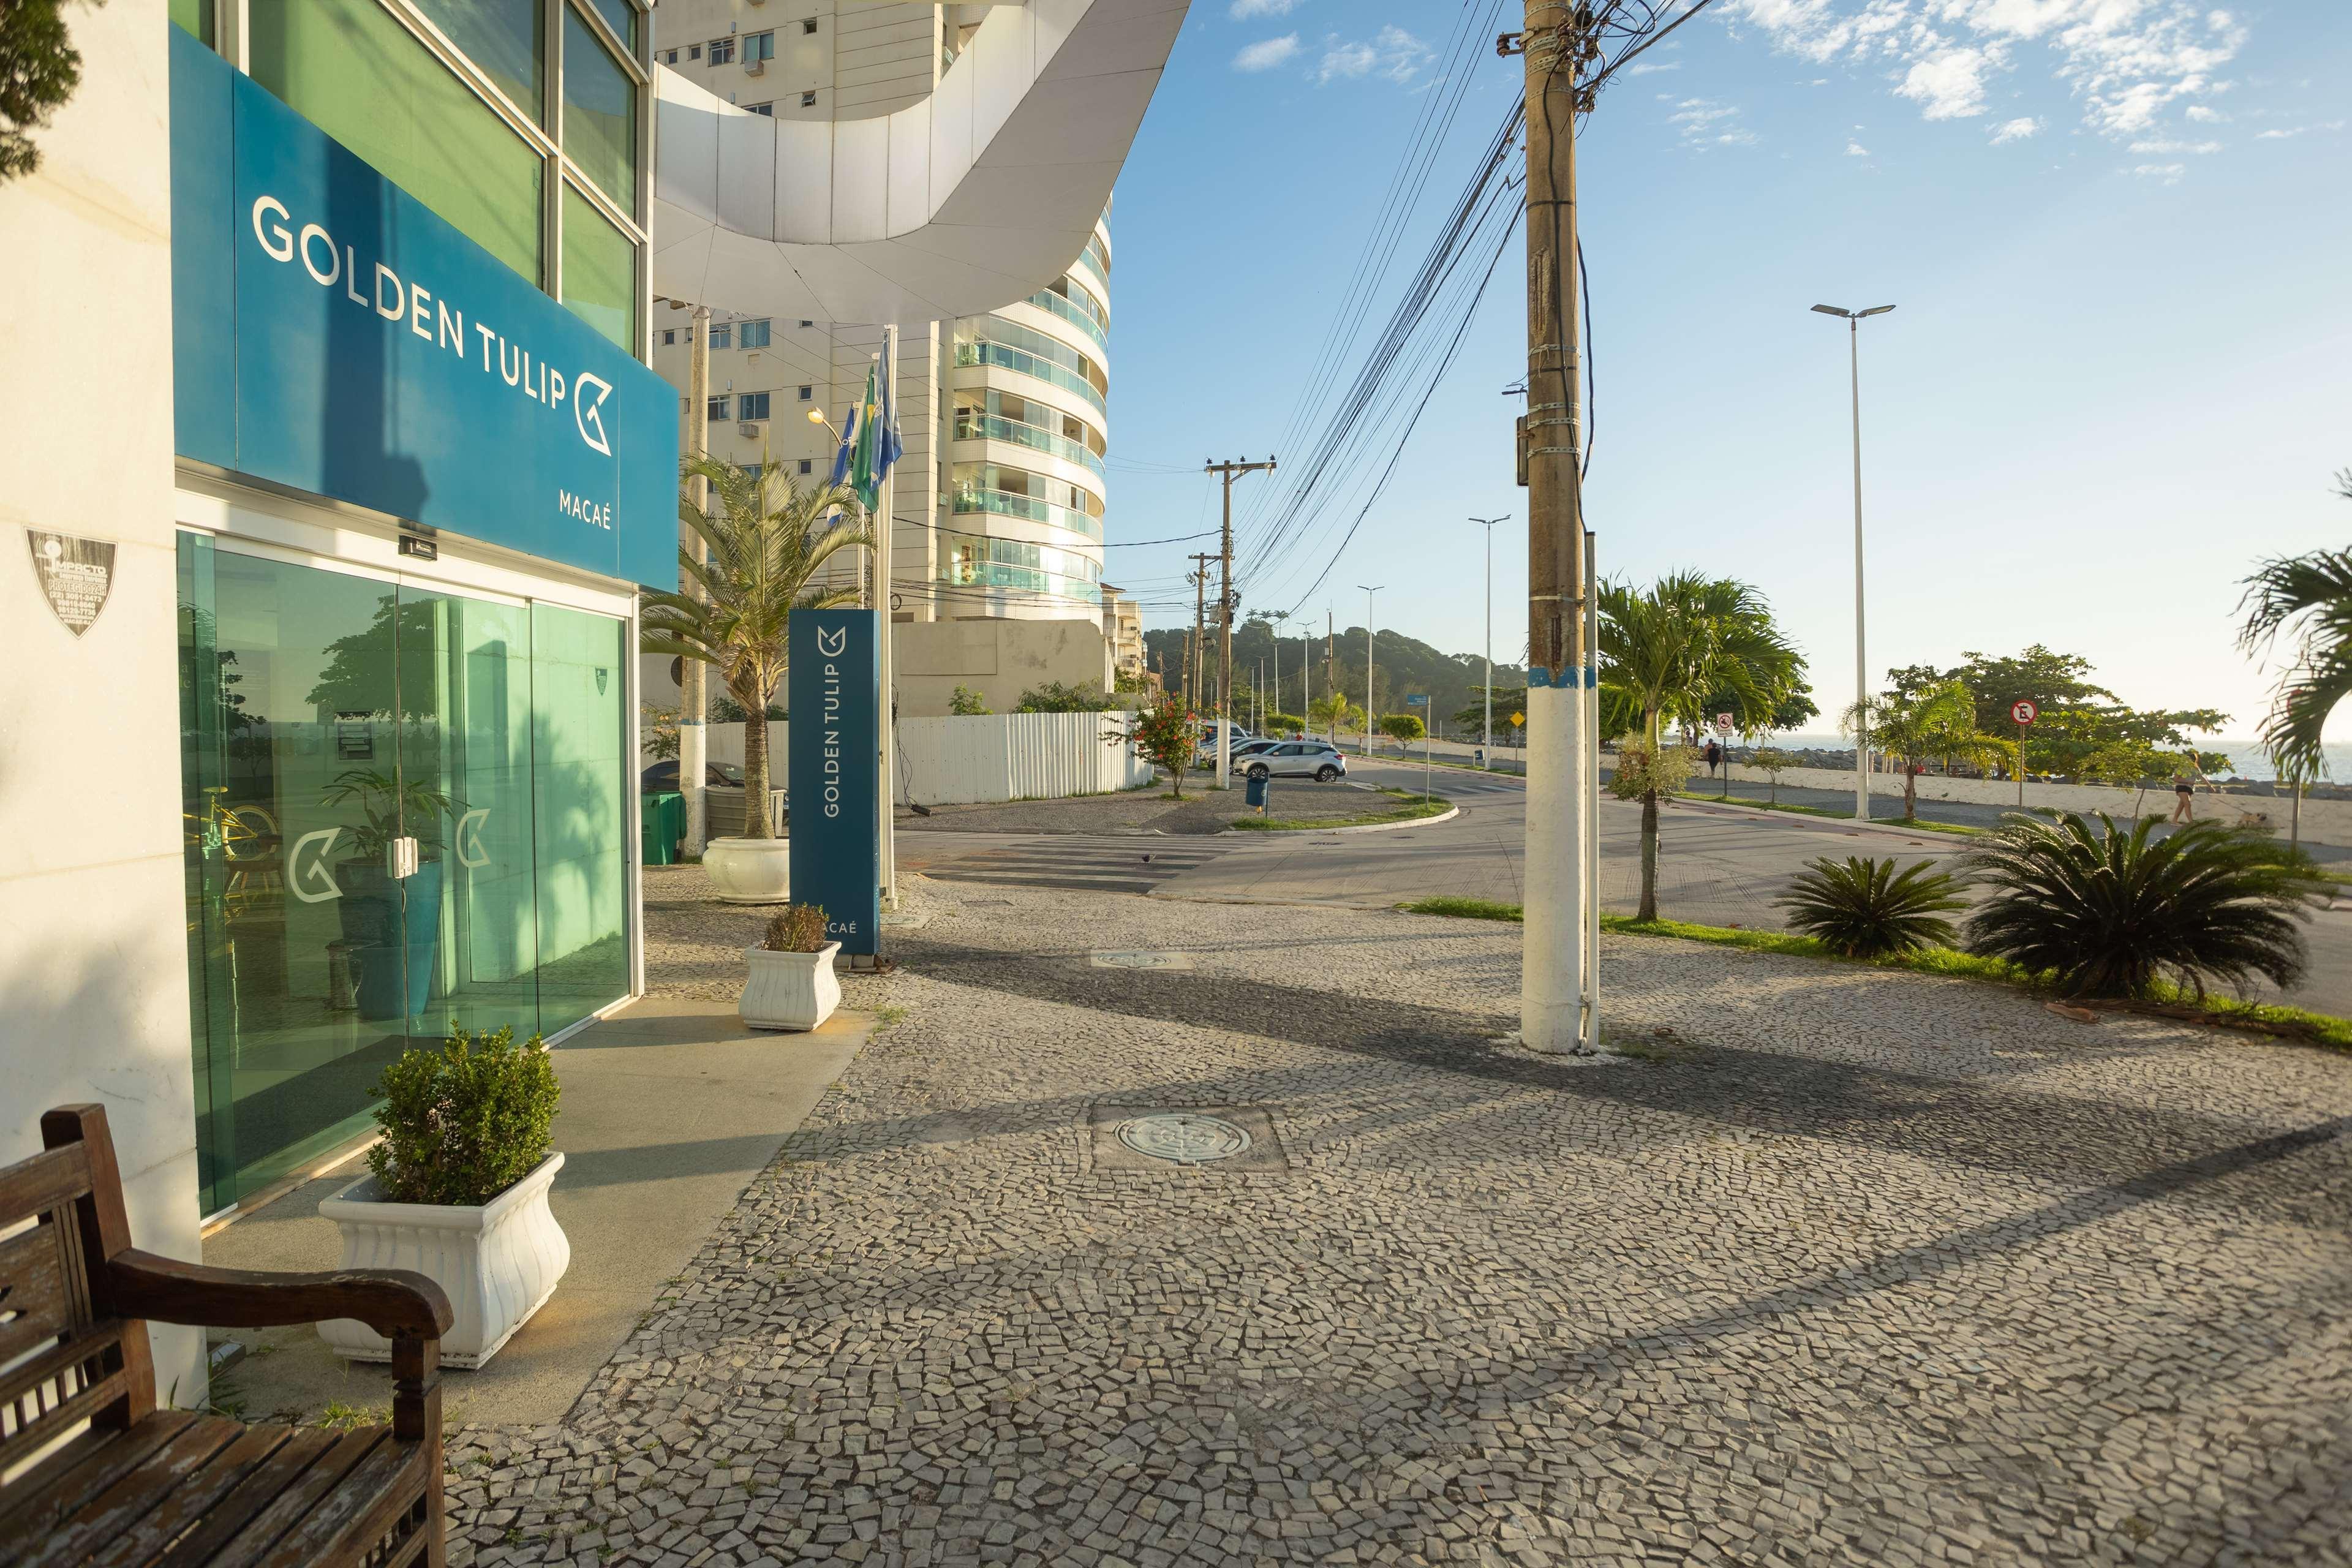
x=988, y=757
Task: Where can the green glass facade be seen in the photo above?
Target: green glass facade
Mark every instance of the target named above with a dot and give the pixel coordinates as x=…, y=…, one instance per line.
x=323, y=713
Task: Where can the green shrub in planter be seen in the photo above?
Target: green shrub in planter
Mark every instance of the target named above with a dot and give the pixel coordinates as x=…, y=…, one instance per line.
x=464, y=1122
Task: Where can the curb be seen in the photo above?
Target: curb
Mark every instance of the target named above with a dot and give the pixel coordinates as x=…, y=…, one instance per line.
x=1837, y=824
x=1448, y=815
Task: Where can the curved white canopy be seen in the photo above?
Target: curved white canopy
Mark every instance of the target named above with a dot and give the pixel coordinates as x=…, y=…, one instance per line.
x=977, y=196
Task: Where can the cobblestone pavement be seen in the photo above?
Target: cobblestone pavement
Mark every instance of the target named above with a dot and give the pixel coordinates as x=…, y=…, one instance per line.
x=1840, y=1266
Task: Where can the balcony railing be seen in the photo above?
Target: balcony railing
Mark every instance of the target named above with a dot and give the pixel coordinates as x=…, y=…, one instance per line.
x=992, y=427
x=1027, y=363
x=1074, y=314
x=995, y=575
x=1004, y=503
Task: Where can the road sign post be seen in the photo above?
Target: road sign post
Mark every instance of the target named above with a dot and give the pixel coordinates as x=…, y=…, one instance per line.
x=1723, y=748
x=2025, y=712
x=1420, y=699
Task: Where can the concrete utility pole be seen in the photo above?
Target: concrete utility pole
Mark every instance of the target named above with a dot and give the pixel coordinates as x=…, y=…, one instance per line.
x=1366, y=749
x=1487, y=733
x=1280, y=616
x=1231, y=471
x=1558, y=1009
x=1853, y=320
x=1199, y=654
x=1331, y=674
x=693, y=742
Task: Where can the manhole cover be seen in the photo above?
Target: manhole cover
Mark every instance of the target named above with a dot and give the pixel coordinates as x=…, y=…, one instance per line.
x=1140, y=960
x=1185, y=1138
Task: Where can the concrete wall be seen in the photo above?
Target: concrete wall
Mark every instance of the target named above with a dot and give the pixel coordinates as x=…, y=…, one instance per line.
x=993, y=756
x=2324, y=821
x=93, y=969
x=998, y=659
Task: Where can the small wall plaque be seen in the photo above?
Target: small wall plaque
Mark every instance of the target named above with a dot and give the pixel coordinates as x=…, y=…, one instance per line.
x=75, y=575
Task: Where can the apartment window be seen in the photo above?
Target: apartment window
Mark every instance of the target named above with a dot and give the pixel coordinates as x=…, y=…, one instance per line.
x=669, y=336
x=759, y=46
x=752, y=334
x=767, y=108
x=718, y=408
x=808, y=324
x=694, y=51
x=807, y=467
x=669, y=57
x=754, y=405
x=808, y=98
x=809, y=26
x=807, y=393
x=722, y=334
x=722, y=51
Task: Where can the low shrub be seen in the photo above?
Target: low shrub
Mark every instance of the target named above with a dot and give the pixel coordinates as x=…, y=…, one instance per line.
x=796, y=928
x=464, y=1122
x=1866, y=909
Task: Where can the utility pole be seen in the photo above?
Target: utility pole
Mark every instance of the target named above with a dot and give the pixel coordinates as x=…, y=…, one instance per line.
x=1558, y=1009
x=1231, y=471
x=1198, y=655
x=1331, y=674
x=1280, y=617
x=1487, y=735
x=1366, y=749
x=693, y=740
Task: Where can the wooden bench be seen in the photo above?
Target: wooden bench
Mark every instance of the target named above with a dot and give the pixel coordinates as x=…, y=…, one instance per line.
x=92, y=1472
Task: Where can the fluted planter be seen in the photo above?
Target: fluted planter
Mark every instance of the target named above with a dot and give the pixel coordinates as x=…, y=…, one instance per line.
x=749, y=870
x=498, y=1261
x=790, y=990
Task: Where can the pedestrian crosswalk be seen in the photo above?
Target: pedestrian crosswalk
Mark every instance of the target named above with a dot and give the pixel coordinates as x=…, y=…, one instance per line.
x=1134, y=865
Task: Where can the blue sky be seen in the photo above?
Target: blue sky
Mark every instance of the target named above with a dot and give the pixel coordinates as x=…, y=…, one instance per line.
x=2116, y=233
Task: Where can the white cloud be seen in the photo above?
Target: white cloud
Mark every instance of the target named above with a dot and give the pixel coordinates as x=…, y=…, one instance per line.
x=2299, y=131
x=2201, y=115
x=1244, y=10
x=2016, y=129
x=2169, y=172
x=1951, y=83
x=1856, y=149
x=2163, y=147
x=1705, y=123
x=1651, y=68
x=1266, y=55
x=1393, y=54
x=2124, y=60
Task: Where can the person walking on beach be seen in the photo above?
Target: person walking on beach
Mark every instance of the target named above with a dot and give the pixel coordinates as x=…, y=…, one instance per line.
x=2184, y=799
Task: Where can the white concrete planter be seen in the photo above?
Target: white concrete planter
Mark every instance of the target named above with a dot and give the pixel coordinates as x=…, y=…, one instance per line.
x=498, y=1261
x=749, y=870
x=790, y=990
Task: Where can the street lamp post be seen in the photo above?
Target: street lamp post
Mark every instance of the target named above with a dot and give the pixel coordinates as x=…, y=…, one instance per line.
x=1853, y=320
x=1486, y=735
x=1365, y=750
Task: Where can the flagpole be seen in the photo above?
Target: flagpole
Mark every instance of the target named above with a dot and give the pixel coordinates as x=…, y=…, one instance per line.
x=886, y=525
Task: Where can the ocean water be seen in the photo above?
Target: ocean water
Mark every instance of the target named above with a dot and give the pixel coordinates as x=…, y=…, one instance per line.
x=2247, y=757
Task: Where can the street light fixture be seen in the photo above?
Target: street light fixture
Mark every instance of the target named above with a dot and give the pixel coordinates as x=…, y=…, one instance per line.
x=1488, y=741
x=1853, y=320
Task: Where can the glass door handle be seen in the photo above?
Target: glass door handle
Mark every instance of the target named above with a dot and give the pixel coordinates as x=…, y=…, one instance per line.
x=400, y=858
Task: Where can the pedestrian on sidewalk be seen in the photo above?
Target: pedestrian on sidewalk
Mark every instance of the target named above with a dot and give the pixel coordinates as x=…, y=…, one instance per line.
x=1714, y=755
x=2184, y=799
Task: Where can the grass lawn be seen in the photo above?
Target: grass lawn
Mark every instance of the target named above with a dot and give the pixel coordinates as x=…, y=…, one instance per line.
x=1413, y=807
x=2291, y=1023
x=1952, y=827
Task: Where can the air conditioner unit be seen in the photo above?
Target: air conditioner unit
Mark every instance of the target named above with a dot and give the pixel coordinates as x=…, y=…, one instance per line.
x=754, y=67
x=748, y=427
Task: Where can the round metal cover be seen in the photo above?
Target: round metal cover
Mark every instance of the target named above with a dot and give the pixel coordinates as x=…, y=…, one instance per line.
x=1183, y=1138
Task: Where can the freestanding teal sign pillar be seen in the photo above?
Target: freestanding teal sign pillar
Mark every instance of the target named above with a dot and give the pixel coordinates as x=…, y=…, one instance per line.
x=833, y=771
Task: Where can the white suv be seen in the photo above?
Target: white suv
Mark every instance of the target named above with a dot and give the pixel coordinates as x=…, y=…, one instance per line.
x=1317, y=760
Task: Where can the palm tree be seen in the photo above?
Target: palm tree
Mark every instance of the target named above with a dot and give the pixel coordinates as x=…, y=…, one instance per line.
x=2310, y=598
x=1938, y=721
x=769, y=539
x=1664, y=651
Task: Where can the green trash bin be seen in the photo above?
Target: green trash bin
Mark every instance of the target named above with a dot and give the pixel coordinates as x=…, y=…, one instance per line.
x=661, y=817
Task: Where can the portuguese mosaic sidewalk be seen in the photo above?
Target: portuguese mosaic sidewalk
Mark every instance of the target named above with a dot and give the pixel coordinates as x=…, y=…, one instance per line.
x=1831, y=1266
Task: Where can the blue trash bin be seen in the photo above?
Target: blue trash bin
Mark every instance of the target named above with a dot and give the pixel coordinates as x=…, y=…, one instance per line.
x=1258, y=783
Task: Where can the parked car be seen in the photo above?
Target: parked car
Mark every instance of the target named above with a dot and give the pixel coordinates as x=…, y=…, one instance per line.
x=1317, y=760
x=664, y=776
x=1209, y=739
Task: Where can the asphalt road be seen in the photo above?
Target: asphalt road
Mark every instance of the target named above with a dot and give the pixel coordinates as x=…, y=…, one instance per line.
x=1717, y=866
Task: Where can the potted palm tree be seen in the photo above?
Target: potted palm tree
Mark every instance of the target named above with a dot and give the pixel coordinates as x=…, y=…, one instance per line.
x=769, y=542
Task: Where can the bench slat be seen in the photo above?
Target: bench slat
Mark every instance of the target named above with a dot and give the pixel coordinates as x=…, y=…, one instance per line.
x=66, y=1481
x=360, y=1468
x=33, y=1400
x=291, y=1469
x=49, y=1179
x=33, y=1306
x=185, y=1499
x=132, y=1495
